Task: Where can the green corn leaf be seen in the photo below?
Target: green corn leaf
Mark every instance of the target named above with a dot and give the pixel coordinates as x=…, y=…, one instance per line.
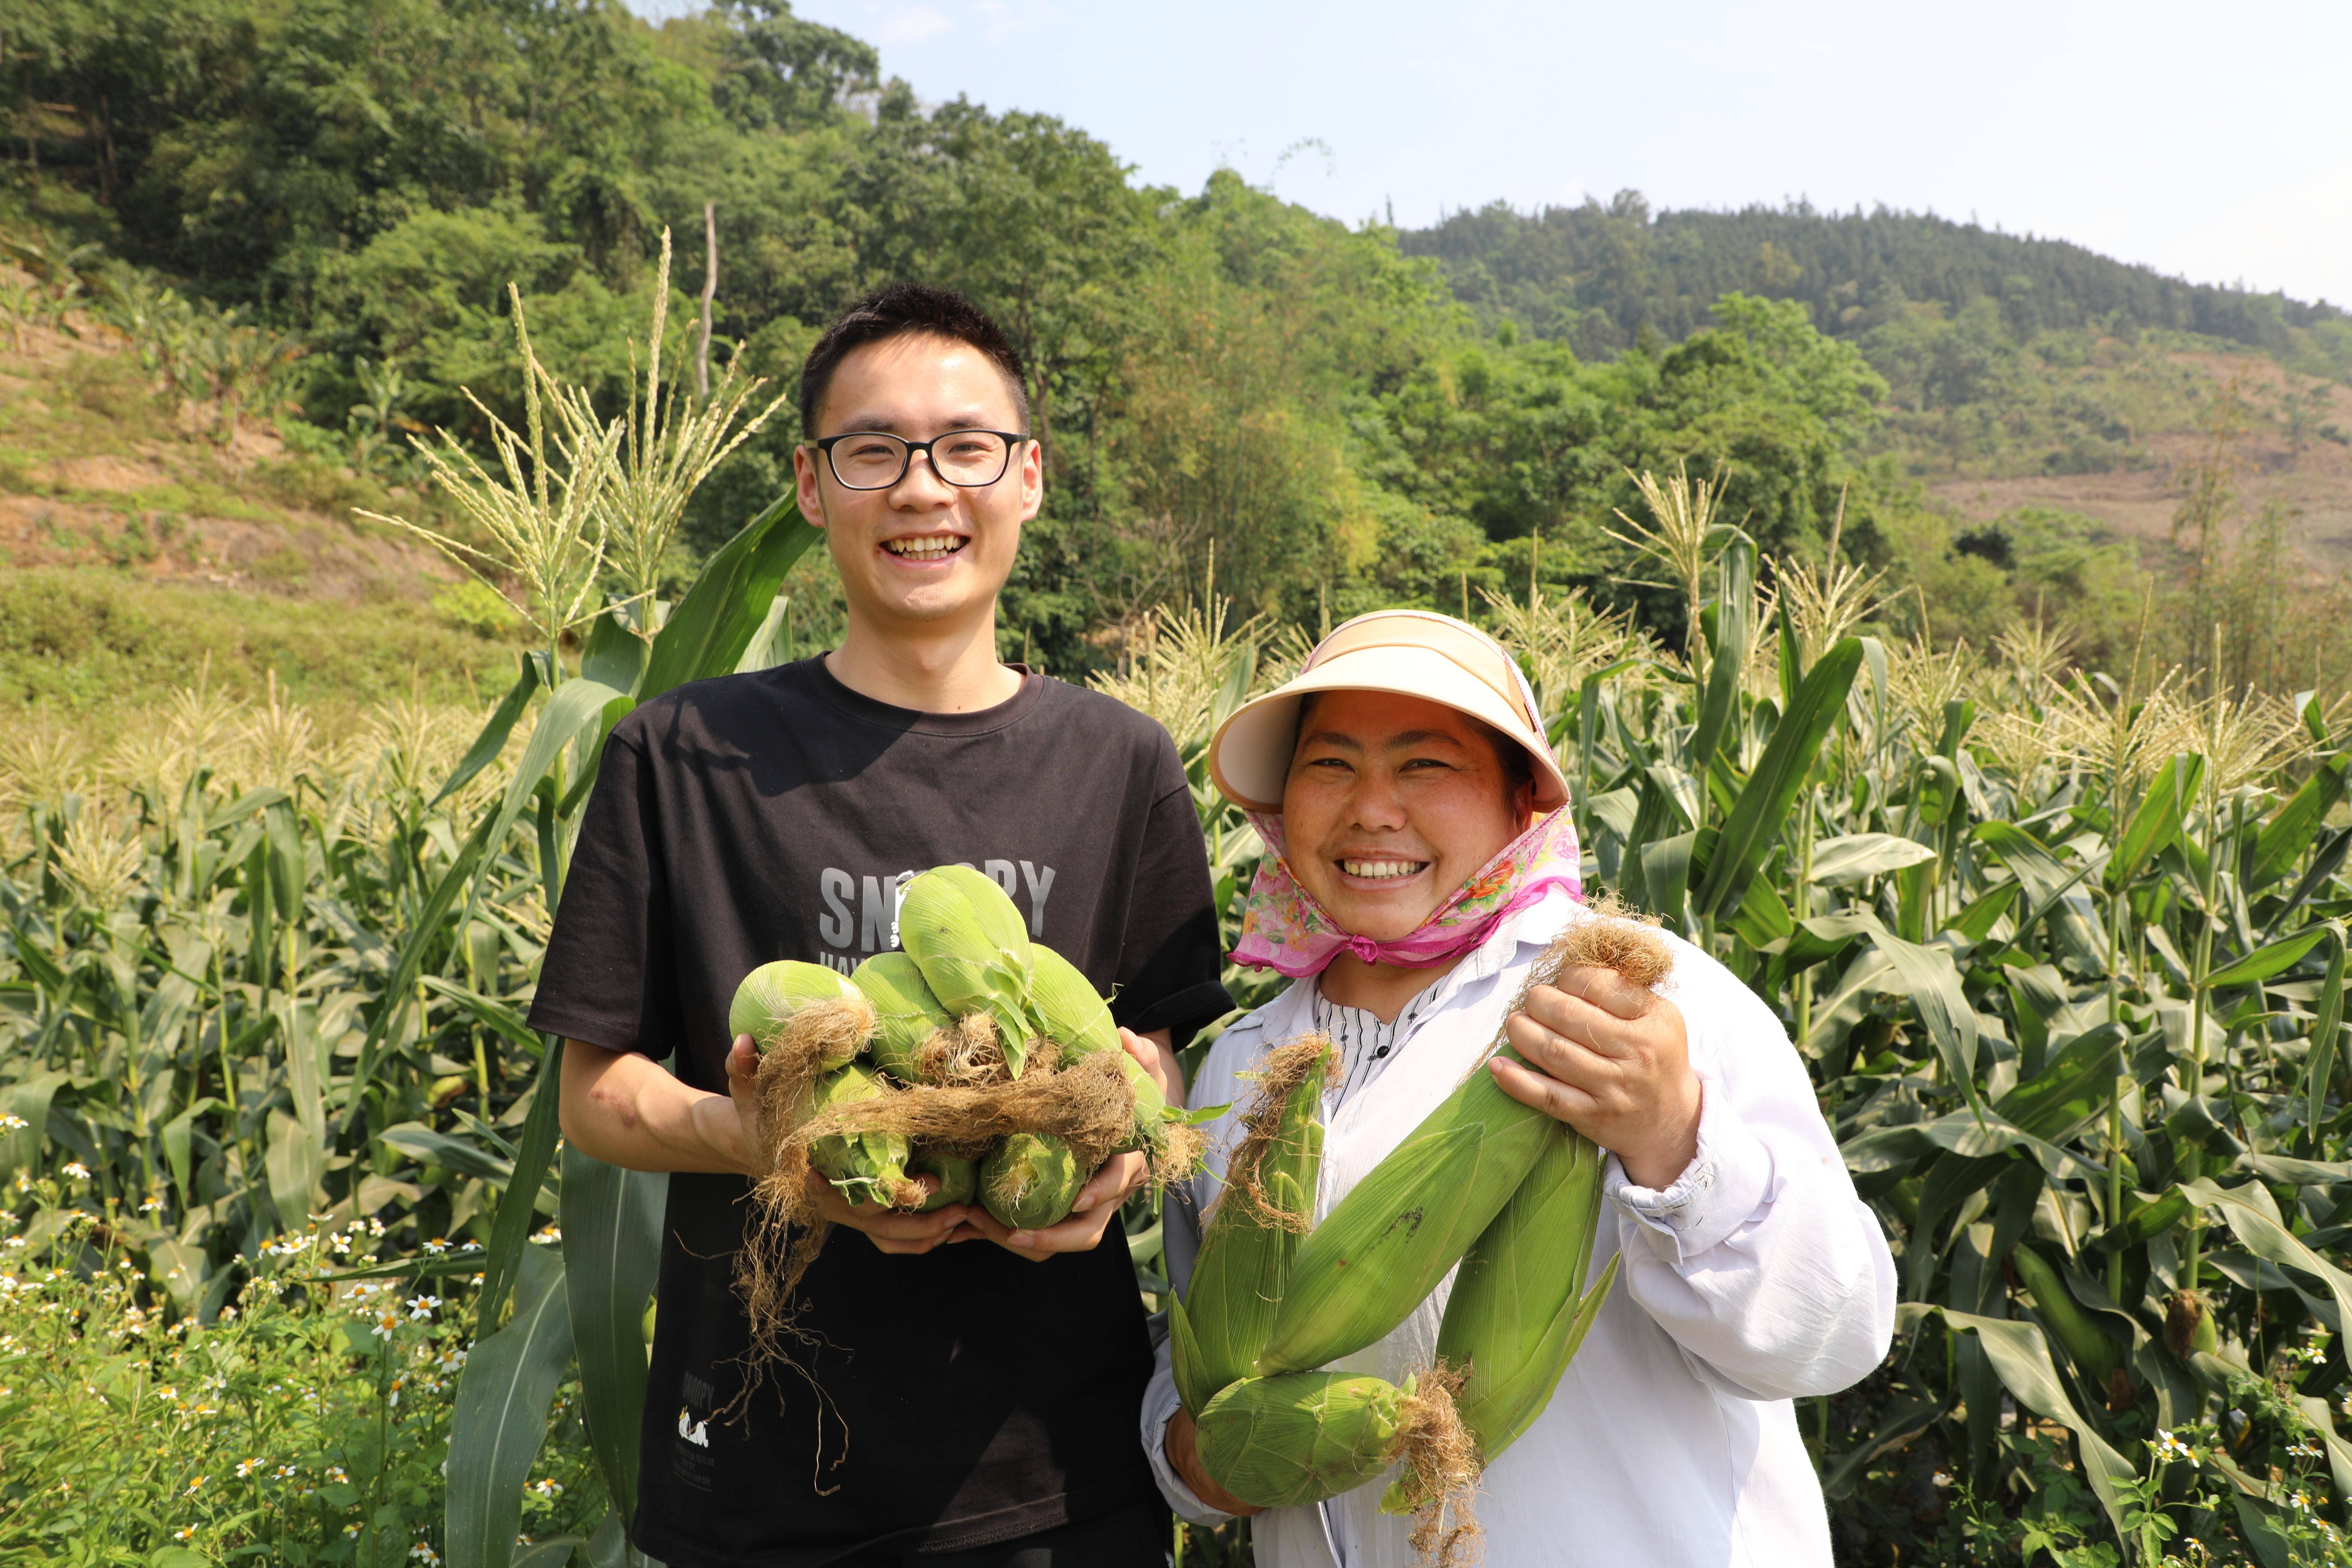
x=2071, y=1089
x=29, y=1102
x=613, y=653
x=710, y=628
x=612, y=1222
x=495, y=730
x=1763, y=804
x=2264, y=962
x=297, y=1163
x=2295, y=827
x=510, y=1229
x=1928, y=976
x=437, y=1148
x=2254, y=1219
x=2325, y=1032
x=503, y=1396
x=1728, y=621
x=428, y=929
x=1851, y=857
x=2156, y=823
x=2021, y=1358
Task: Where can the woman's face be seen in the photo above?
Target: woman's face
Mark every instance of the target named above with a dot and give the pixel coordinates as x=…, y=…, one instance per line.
x=1392, y=803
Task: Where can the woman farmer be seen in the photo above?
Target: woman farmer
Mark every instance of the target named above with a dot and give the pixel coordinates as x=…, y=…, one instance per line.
x=1421, y=862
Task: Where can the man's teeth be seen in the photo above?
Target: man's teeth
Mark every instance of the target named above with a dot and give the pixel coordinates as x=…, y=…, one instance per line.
x=1381, y=868
x=923, y=549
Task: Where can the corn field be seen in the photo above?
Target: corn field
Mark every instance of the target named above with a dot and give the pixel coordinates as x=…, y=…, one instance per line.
x=2064, y=951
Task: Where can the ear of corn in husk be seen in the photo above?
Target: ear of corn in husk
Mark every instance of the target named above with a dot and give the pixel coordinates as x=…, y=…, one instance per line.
x=867, y=1167
x=966, y=937
x=907, y=1017
x=1070, y=1014
x=1280, y=1441
x=1518, y=1311
x=1385, y=1245
x=1254, y=1233
x=791, y=996
x=1030, y=1180
x=959, y=1177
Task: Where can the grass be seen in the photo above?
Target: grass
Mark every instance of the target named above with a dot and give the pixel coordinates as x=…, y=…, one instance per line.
x=100, y=643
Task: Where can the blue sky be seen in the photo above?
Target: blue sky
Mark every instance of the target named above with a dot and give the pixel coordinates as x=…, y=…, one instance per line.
x=2207, y=140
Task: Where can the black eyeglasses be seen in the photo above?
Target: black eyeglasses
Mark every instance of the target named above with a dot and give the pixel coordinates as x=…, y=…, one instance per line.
x=875, y=461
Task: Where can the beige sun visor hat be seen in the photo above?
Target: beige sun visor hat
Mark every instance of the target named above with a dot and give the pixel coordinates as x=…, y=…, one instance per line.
x=1412, y=653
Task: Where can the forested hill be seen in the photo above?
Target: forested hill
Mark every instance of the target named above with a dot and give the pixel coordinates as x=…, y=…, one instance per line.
x=249, y=248
x=1594, y=276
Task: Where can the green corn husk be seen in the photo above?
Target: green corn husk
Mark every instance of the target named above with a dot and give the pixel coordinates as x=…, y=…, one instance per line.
x=2098, y=1356
x=906, y=1015
x=773, y=994
x=1247, y=1255
x=867, y=1167
x=1304, y=1436
x=966, y=937
x=1065, y=1006
x=1069, y=1012
x=1030, y=1180
x=959, y=1177
x=1384, y=1247
x=1518, y=1311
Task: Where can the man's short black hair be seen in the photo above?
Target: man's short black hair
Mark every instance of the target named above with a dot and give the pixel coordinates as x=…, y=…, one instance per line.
x=894, y=310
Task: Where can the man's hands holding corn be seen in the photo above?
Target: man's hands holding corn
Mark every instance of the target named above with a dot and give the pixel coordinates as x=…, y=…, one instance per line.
x=901, y=1231
x=1613, y=1060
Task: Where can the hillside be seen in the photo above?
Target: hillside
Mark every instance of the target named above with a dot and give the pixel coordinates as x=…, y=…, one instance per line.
x=138, y=547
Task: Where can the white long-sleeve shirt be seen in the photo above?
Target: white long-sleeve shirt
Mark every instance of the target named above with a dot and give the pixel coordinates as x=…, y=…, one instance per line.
x=1757, y=1277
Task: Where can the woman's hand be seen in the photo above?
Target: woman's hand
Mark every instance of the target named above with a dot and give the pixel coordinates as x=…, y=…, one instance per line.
x=1613, y=1060
x=1184, y=1458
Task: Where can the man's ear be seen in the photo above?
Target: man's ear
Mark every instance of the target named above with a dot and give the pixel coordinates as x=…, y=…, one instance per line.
x=804, y=481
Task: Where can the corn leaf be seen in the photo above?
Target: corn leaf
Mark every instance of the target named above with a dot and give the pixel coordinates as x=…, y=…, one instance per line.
x=2266, y=962
x=510, y=1229
x=2021, y=1357
x=1763, y=805
x=495, y=730
x=2156, y=823
x=710, y=628
x=2326, y=1031
x=509, y=1380
x=612, y=1221
x=1851, y=857
x=2297, y=826
x=1727, y=624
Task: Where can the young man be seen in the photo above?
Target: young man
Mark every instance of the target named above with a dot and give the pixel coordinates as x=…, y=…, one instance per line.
x=969, y=1393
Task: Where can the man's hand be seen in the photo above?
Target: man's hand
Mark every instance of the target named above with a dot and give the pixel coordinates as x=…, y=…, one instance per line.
x=1613, y=1060
x=1184, y=1458
x=1098, y=1201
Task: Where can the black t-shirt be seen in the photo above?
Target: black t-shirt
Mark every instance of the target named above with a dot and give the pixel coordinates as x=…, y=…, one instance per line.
x=962, y=1398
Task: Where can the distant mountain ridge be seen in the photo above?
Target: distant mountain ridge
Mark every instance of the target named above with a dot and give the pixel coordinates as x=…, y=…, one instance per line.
x=1596, y=275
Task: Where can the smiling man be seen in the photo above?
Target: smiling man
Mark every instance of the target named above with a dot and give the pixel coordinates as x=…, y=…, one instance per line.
x=969, y=1393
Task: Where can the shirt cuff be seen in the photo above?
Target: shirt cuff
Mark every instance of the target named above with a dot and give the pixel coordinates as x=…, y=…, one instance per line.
x=1719, y=1191
x=1160, y=1403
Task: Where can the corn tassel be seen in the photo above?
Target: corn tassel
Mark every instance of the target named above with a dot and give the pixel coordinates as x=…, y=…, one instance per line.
x=1247, y=1251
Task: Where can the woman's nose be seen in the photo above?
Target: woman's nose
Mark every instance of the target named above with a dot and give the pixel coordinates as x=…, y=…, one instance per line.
x=1375, y=802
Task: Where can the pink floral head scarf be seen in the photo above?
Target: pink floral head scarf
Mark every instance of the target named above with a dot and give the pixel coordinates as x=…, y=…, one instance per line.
x=1284, y=929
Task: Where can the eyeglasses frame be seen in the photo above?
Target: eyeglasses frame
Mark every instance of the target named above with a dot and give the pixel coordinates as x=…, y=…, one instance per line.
x=907, y=466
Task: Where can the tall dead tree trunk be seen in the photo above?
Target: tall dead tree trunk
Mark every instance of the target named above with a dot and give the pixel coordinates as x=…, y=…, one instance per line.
x=710, y=287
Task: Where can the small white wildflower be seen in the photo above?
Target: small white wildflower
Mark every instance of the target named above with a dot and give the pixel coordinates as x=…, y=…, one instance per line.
x=247, y=1467
x=12, y=1123
x=77, y=1170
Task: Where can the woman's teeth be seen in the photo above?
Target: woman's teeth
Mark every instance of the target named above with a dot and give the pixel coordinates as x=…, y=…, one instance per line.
x=933, y=549
x=1381, y=870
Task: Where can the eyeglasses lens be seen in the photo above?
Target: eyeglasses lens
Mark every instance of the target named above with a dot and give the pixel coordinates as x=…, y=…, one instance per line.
x=872, y=461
